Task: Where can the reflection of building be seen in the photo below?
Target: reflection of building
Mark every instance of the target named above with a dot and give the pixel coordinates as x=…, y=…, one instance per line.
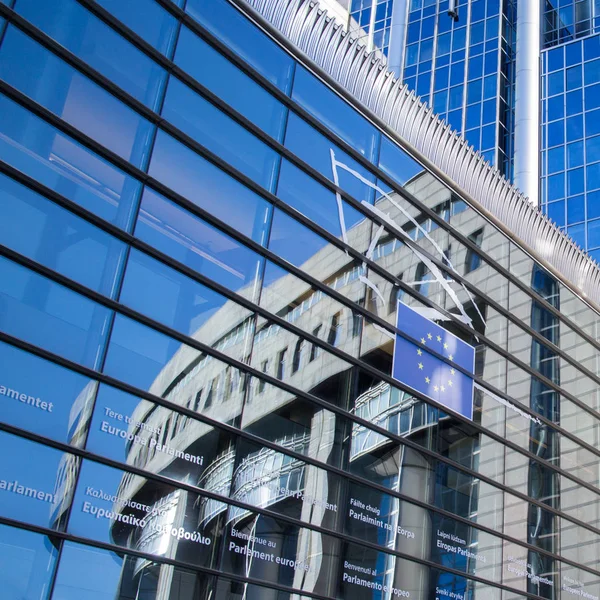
x=246, y=439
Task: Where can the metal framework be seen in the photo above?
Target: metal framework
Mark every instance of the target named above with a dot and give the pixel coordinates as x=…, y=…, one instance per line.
x=400, y=113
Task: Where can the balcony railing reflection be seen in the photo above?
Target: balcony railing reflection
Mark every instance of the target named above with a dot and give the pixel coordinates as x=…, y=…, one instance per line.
x=262, y=479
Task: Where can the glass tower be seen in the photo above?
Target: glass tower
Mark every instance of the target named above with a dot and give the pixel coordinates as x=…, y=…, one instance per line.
x=460, y=58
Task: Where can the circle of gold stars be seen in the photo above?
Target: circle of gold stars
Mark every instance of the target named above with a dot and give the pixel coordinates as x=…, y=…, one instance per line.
x=436, y=388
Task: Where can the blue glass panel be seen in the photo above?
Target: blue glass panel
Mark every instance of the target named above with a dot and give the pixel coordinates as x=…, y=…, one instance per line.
x=591, y=48
x=70, y=24
x=455, y=98
x=205, y=185
x=556, y=108
x=443, y=44
x=575, y=155
x=440, y=102
x=426, y=50
x=491, y=28
x=335, y=113
x=592, y=122
x=229, y=83
x=574, y=80
x=473, y=118
x=591, y=72
x=423, y=84
x=475, y=67
x=236, y=31
x=459, y=38
x=592, y=149
x=40, y=151
x=30, y=68
x=555, y=59
x=474, y=91
x=556, y=133
x=148, y=19
x=397, y=163
x=575, y=209
x=556, y=83
x=556, y=186
x=455, y=119
x=28, y=561
x=57, y=238
x=491, y=63
x=593, y=176
x=441, y=78
x=574, y=102
x=556, y=212
x=489, y=111
x=177, y=301
x=593, y=204
x=592, y=96
x=310, y=198
x=573, y=54
x=574, y=128
x=30, y=487
x=489, y=87
x=488, y=137
x=191, y=241
x=575, y=183
x=49, y=315
x=593, y=233
x=577, y=232
x=219, y=133
x=556, y=159
x=144, y=357
x=42, y=397
x=477, y=33
x=412, y=55
x=457, y=73
x=316, y=150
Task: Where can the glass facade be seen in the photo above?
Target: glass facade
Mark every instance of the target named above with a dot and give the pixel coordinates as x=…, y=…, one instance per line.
x=202, y=250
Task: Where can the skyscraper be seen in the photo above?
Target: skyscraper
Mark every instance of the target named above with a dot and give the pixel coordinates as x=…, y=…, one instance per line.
x=519, y=79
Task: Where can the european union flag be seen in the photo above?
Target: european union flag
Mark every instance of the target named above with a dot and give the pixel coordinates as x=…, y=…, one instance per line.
x=414, y=366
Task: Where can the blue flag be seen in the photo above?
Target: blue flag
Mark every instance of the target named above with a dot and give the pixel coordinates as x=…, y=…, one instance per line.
x=414, y=366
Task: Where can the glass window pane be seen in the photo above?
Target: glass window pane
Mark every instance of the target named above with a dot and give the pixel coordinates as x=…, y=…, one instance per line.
x=37, y=482
x=42, y=397
x=148, y=19
x=314, y=200
x=229, y=83
x=318, y=151
x=45, y=78
x=193, y=242
x=335, y=113
x=51, y=316
x=42, y=152
x=219, y=133
x=225, y=22
x=57, y=238
x=116, y=507
x=207, y=186
x=95, y=574
x=28, y=561
x=150, y=437
x=84, y=34
x=165, y=367
x=177, y=301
